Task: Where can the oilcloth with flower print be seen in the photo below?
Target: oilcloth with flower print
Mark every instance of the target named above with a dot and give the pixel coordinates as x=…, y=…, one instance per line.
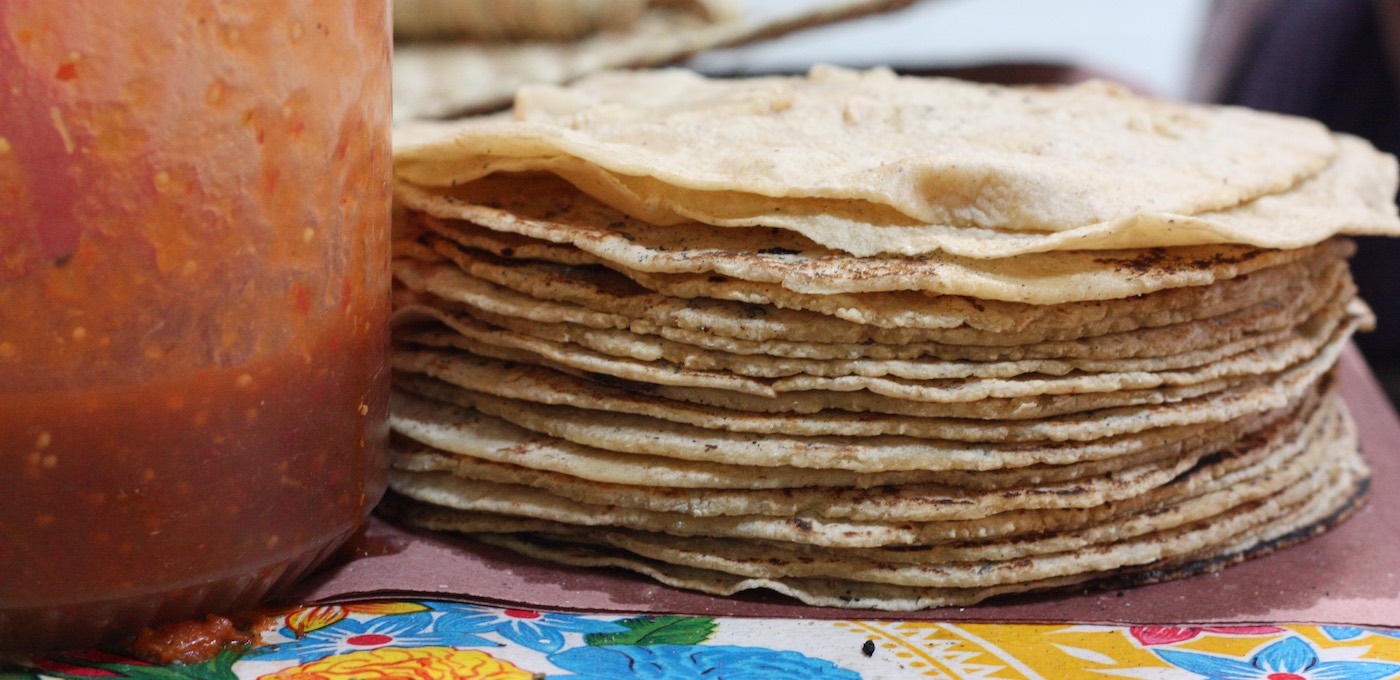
x=426, y=640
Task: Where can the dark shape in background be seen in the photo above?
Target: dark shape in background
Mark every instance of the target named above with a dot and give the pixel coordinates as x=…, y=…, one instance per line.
x=1335, y=61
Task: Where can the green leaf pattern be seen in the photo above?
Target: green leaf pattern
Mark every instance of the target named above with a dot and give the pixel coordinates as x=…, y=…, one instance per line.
x=657, y=630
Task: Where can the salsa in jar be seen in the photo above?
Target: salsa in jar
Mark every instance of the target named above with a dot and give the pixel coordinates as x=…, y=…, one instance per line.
x=194, y=214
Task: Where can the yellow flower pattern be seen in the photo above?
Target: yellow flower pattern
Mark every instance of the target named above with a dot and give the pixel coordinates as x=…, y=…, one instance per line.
x=423, y=663
x=308, y=619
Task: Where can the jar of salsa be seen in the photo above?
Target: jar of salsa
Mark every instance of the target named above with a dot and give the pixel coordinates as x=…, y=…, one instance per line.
x=194, y=212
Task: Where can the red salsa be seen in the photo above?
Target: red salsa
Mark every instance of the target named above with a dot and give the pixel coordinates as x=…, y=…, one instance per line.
x=193, y=302
x=187, y=642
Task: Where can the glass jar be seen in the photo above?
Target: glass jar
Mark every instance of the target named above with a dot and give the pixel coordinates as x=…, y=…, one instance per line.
x=194, y=212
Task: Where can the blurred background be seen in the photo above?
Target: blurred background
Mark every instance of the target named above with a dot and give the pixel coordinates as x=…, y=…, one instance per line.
x=1150, y=45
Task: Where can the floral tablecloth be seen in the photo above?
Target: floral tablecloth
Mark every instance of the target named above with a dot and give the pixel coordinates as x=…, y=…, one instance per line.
x=422, y=639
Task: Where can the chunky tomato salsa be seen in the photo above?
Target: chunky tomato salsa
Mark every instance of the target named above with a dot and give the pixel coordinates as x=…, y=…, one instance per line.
x=193, y=302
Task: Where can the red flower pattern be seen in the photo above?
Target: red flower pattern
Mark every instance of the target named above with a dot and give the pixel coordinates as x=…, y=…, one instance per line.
x=1148, y=636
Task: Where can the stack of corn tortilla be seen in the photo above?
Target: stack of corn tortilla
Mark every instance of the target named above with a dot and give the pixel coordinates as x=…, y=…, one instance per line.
x=880, y=342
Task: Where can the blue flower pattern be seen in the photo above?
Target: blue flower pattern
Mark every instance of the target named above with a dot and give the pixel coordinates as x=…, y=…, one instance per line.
x=1289, y=659
x=540, y=631
x=694, y=662
x=350, y=635
x=448, y=624
x=1341, y=633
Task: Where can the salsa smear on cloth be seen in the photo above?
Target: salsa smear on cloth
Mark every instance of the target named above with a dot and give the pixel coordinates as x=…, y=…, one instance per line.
x=193, y=301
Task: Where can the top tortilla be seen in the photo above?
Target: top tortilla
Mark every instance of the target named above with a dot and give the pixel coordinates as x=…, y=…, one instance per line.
x=869, y=163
